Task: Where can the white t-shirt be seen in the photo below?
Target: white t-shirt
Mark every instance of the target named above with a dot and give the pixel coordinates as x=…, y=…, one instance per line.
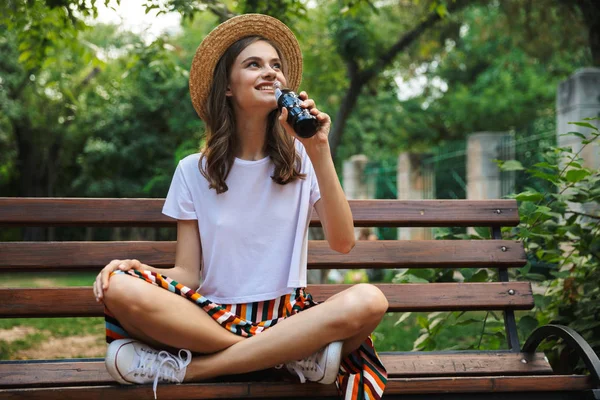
x=255, y=235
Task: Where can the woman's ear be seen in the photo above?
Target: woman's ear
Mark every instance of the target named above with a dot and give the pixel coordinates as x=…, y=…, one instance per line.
x=228, y=92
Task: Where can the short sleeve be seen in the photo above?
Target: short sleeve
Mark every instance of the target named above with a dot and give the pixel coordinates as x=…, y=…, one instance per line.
x=179, y=203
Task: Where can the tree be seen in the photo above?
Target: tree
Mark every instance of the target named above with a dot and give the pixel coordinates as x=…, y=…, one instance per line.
x=501, y=71
x=590, y=13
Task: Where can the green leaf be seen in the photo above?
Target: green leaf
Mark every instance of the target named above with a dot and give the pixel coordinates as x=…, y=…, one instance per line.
x=402, y=318
x=408, y=278
x=441, y=10
x=584, y=124
x=545, y=176
x=576, y=175
x=482, y=232
x=481, y=276
x=578, y=134
x=26, y=55
x=512, y=165
x=545, y=164
x=529, y=196
x=469, y=321
x=527, y=324
x=422, y=321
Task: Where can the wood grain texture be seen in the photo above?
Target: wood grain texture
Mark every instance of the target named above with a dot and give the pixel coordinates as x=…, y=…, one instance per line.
x=51, y=256
x=416, y=364
x=278, y=390
x=15, y=211
x=80, y=302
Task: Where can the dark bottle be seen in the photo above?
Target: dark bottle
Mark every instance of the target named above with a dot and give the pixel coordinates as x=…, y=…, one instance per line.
x=304, y=123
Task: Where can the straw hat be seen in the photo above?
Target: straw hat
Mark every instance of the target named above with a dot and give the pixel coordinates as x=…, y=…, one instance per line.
x=216, y=42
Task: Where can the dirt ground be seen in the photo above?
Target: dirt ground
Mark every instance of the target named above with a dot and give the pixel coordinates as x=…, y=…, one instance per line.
x=53, y=347
x=67, y=347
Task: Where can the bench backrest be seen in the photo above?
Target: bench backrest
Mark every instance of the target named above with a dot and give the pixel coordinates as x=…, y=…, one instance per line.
x=87, y=255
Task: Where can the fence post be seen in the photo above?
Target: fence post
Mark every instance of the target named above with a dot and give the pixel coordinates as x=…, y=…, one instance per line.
x=415, y=181
x=577, y=98
x=483, y=174
x=357, y=184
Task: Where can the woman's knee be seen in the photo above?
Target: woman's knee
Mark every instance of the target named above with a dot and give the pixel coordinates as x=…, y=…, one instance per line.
x=363, y=304
x=369, y=302
x=126, y=291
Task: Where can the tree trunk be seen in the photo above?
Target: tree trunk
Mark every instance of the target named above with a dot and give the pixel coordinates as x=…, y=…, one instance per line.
x=594, y=37
x=590, y=12
x=341, y=118
x=33, y=177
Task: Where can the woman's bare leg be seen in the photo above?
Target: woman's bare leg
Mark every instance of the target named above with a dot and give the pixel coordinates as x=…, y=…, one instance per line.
x=155, y=316
x=143, y=308
x=351, y=316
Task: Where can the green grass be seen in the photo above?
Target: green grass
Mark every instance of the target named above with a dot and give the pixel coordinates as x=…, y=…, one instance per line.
x=47, y=279
x=47, y=327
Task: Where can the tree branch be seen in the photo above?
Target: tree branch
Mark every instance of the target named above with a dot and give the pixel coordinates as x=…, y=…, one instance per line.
x=219, y=9
x=386, y=58
x=358, y=79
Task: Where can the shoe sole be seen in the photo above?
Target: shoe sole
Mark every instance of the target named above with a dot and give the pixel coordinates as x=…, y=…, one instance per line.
x=332, y=363
x=111, y=359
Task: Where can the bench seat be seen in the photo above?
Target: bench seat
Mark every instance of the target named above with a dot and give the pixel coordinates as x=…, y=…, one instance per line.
x=518, y=373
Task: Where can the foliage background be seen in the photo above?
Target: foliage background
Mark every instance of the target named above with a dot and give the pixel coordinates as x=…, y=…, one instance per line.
x=91, y=110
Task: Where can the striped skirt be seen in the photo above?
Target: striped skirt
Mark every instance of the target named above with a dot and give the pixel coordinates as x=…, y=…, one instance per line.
x=361, y=375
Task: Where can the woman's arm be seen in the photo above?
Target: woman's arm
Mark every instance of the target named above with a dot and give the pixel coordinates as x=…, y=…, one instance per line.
x=188, y=256
x=186, y=271
x=333, y=208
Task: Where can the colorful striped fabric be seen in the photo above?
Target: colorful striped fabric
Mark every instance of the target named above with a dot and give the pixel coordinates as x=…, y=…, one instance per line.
x=362, y=376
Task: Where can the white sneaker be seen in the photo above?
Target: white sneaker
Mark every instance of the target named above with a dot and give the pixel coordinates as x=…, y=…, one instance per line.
x=321, y=367
x=130, y=361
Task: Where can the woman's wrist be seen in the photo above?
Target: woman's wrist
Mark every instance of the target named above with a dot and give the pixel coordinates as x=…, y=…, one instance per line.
x=316, y=151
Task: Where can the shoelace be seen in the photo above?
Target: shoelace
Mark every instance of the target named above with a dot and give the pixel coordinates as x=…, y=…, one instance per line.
x=174, y=364
x=162, y=366
x=308, y=364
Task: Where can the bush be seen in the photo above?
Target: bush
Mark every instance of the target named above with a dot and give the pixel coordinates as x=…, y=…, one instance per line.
x=562, y=230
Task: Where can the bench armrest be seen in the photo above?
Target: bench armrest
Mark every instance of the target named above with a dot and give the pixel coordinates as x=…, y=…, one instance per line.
x=573, y=340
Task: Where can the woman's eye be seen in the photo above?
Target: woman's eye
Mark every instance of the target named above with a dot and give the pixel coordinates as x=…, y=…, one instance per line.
x=277, y=66
x=253, y=64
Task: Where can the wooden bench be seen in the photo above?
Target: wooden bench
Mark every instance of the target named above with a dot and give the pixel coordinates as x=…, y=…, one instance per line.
x=518, y=372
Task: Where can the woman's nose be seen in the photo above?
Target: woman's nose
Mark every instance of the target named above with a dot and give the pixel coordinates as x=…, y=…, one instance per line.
x=269, y=72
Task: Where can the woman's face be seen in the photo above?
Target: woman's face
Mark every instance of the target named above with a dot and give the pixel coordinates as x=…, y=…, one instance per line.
x=251, y=78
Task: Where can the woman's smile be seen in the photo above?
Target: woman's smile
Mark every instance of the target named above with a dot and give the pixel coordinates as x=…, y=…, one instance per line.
x=255, y=69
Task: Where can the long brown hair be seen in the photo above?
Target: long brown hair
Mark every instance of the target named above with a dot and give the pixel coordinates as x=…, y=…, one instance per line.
x=221, y=137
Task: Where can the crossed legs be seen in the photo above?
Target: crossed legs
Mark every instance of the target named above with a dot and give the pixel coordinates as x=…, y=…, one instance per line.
x=160, y=319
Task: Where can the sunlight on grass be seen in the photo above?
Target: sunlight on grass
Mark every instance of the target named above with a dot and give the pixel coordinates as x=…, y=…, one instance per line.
x=45, y=329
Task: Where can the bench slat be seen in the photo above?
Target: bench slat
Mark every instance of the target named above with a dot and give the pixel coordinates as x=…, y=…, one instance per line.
x=16, y=256
x=464, y=363
x=15, y=211
x=404, y=364
x=80, y=302
x=485, y=384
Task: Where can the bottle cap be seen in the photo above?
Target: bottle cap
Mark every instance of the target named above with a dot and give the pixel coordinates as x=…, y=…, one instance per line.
x=277, y=86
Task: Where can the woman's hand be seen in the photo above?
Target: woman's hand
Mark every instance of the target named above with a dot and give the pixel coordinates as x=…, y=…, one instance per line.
x=101, y=282
x=322, y=135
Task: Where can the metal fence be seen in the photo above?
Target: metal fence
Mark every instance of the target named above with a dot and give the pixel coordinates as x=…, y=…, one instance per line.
x=447, y=167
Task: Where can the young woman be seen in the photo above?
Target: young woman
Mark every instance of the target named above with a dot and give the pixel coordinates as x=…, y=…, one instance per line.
x=243, y=206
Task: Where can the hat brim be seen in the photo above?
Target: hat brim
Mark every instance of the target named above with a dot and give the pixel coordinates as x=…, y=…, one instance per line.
x=223, y=36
